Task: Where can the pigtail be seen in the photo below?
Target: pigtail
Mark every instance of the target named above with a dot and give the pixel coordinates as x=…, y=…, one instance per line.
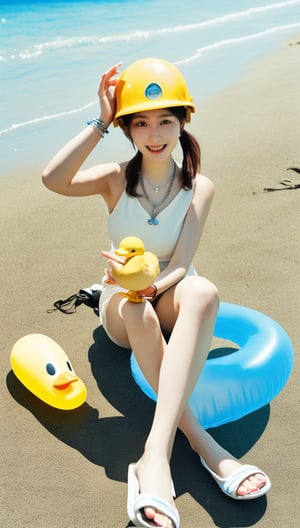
x=191, y=158
x=132, y=174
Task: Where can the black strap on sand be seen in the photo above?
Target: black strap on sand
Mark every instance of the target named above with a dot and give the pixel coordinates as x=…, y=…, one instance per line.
x=286, y=184
x=88, y=296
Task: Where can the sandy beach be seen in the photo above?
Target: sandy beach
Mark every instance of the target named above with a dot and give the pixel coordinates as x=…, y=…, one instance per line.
x=69, y=469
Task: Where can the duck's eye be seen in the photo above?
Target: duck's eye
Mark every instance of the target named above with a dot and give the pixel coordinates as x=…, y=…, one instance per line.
x=69, y=366
x=132, y=250
x=50, y=369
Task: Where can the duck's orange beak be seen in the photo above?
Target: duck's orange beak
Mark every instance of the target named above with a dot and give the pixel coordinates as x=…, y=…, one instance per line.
x=64, y=380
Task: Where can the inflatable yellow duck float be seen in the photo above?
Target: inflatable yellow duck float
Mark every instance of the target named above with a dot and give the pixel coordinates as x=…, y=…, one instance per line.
x=136, y=270
x=44, y=368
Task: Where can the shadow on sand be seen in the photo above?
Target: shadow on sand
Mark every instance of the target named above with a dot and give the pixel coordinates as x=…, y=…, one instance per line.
x=115, y=442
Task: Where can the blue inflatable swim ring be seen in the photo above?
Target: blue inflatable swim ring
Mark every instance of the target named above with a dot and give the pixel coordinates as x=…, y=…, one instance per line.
x=239, y=383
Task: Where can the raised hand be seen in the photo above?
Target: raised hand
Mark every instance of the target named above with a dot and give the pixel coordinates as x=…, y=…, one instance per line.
x=106, y=94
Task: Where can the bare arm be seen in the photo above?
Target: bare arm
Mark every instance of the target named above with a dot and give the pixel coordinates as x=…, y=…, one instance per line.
x=190, y=236
x=63, y=174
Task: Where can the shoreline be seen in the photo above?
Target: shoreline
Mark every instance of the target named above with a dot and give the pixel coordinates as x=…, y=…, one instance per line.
x=250, y=248
x=31, y=147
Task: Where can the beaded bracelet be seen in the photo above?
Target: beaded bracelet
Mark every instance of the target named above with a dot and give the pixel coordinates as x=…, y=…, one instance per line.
x=99, y=125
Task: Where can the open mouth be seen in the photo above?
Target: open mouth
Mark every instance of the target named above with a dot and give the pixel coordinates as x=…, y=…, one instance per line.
x=156, y=150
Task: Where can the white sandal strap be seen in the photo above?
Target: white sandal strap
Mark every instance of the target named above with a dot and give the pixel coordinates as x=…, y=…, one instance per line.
x=230, y=484
x=233, y=481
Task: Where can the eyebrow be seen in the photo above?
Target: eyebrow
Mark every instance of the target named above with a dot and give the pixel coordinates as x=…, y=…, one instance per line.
x=144, y=116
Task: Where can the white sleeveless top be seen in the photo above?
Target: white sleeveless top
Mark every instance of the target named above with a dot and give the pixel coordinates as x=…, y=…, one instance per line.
x=129, y=218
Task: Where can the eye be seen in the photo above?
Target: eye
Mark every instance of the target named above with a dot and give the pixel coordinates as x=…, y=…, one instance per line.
x=69, y=366
x=139, y=124
x=132, y=251
x=50, y=369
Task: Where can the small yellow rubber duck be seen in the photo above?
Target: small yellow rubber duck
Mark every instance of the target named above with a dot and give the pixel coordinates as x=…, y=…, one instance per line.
x=136, y=270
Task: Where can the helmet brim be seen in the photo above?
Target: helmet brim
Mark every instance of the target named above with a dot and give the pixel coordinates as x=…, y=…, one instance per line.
x=146, y=107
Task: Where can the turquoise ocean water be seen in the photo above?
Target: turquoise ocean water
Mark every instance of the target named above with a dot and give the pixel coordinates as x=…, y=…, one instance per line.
x=53, y=52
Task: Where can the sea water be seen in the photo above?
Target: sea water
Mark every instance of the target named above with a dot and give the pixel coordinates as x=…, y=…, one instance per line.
x=52, y=54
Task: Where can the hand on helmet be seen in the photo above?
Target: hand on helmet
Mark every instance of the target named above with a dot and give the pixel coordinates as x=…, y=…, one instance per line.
x=106, y=94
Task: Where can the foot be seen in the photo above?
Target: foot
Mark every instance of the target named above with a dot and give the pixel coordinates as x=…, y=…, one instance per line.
x=221, y=462
x=252, y=484
x=155, y=479
x=239, y=481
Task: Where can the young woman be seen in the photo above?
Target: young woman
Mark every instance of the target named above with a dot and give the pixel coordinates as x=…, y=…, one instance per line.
x=166, y=205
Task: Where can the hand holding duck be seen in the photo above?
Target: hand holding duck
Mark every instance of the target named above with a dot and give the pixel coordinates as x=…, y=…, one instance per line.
x=132, y=267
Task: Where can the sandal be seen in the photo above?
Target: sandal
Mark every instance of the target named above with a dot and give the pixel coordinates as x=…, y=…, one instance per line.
x=230, y=485
x=136, y=502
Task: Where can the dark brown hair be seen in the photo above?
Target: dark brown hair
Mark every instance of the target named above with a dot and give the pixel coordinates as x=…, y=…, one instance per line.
x=190, y=148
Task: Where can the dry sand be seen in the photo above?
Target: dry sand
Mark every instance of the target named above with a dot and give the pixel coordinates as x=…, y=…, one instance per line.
x=68, y=469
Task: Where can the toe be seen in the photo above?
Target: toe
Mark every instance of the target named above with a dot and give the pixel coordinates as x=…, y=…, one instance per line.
x=162, y=520
x=158, y=518
x=252, y=484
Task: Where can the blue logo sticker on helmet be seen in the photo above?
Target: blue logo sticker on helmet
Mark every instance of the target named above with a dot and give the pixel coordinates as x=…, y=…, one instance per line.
x=153, y=91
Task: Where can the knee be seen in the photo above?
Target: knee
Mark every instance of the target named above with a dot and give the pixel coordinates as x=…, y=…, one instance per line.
x=139, y=315
x=201, y=295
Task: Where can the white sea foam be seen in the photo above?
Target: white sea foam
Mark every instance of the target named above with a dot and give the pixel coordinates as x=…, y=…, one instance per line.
x=199, y=52
x=15, y=126
x=61, y=43
x=238, y=40
x=95, y=40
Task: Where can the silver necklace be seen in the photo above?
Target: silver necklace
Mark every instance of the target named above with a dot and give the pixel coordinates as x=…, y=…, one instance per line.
x=157, y=188
x=156, y=205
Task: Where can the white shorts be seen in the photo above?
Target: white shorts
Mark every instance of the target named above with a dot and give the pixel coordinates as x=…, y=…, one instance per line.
x=108, y=291
x=111, y=289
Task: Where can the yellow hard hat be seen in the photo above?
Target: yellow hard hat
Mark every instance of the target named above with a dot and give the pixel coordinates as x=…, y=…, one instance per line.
x=150, y=84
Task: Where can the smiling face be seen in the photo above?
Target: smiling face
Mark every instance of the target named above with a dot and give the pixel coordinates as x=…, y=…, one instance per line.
x=155, y=133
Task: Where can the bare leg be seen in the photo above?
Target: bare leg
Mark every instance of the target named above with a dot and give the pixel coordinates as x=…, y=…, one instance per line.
x=195, y=306
x=217, y=458
x=190, y=309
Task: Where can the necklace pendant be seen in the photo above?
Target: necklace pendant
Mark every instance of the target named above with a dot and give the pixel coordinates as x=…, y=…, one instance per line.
x=156, y=207
x=152, y=221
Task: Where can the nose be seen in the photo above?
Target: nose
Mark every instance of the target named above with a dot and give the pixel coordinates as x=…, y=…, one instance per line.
x=154, y=132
